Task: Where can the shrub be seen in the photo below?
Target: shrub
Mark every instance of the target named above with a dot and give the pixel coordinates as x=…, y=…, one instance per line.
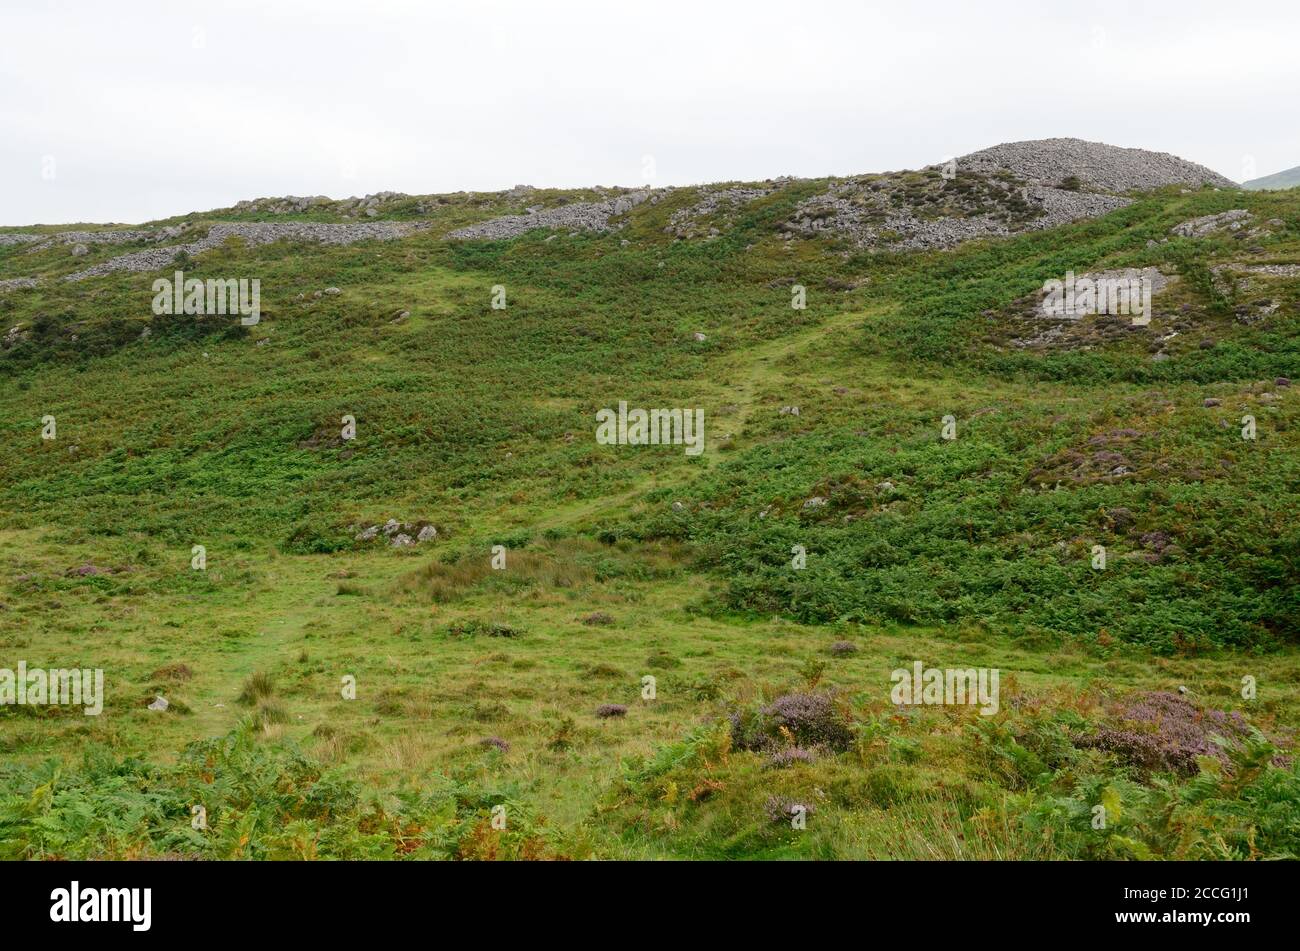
x=809, y=719
x=1162, y=731
x=788, y=757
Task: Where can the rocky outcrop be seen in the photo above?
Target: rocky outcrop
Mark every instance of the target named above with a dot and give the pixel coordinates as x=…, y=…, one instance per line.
x=1233, y=220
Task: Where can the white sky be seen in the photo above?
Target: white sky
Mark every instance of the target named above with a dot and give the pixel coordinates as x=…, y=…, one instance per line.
x=131, y=111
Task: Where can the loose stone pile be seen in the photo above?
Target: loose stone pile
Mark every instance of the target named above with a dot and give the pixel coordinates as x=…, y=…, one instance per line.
x=876, y=212
x=581, y=216
x=1007, y=189
x=109, y=237
x=253, y=233
x=7, y=240
x=1106, y=168
x=688, y=222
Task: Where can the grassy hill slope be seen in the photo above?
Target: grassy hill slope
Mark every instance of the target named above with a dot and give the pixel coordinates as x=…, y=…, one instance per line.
x=626, y=562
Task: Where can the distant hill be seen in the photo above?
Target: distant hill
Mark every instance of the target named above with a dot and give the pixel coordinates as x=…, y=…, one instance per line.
x=1288, y=179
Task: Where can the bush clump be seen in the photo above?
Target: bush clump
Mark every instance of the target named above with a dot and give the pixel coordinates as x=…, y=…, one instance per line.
x=806, y=718
x=1163, y=732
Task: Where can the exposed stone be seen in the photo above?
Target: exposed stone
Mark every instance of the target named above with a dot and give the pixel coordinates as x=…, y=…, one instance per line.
x=252, y=234
x=584, y=216
x=1232, y=220
x=1108, y=168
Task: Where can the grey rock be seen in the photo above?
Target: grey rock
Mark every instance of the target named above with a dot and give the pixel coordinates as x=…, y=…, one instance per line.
x=1209, y=224
x=583, y=216
x=252, y=234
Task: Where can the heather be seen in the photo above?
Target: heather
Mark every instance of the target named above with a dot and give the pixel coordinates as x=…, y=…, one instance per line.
x=1162, y=731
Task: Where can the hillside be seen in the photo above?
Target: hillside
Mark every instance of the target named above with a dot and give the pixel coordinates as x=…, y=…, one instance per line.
x=372, y=557
x=1287, y=179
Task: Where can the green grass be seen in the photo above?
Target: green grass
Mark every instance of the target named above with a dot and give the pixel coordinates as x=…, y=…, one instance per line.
x=481, y=422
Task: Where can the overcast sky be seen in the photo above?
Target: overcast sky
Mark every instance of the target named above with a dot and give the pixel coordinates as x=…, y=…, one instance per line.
x=134, y=111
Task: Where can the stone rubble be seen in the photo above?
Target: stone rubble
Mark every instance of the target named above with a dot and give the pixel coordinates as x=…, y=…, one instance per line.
x=107, y=237
x=1007, y=189
x=593, y=216
x=20, y=237
x=253, y=234
x=686, y=222
x=1107, y=168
